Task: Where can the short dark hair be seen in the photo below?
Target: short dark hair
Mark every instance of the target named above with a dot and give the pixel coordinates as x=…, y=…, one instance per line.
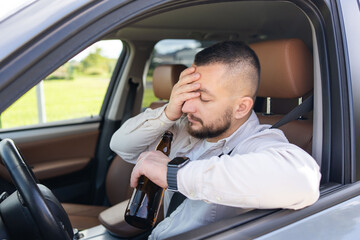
x=235, y=55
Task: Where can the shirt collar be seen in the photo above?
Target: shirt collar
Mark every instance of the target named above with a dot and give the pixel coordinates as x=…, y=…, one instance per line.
x=243, y=132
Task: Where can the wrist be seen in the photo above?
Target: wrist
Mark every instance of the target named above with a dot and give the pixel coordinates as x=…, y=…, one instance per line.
x=173, y=168
x=170, y=116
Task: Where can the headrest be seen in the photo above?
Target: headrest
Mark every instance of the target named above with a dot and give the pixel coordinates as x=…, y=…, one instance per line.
x=286, y=68
x=164, y=78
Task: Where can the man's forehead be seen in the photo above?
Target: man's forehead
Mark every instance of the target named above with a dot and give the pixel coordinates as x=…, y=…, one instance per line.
x=213, y=66
x=211, y=78
x=211, y=72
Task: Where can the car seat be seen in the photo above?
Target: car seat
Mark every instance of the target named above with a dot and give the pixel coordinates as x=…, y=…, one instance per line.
x=286, y=76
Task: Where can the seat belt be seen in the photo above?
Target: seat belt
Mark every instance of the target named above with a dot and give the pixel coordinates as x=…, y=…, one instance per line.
x=130, y=99
x=303, y=108
x=175, y=201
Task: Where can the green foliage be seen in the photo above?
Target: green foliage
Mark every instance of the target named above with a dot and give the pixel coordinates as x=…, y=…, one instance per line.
x=66, y=71
x=96, y=64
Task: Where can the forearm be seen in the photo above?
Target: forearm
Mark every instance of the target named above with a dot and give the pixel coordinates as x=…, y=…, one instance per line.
x=139, y=133
x=285, y=178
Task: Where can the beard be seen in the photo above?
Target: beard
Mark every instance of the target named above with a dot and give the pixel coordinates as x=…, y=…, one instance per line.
x=213, y=129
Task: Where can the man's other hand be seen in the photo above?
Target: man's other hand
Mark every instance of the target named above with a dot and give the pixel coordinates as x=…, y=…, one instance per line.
x=182, y=91
x=153, y=165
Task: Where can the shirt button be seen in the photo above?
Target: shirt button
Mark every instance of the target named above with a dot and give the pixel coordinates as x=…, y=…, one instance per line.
x=218, y=198
x=161, y=124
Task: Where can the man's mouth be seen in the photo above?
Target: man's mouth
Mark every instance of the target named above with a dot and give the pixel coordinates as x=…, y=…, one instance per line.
x=193, y=119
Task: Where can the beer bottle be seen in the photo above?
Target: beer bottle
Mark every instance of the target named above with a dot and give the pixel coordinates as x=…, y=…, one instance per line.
x=145, y=202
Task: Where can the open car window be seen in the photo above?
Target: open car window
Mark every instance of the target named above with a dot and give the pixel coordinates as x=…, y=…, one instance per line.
x=74, y=90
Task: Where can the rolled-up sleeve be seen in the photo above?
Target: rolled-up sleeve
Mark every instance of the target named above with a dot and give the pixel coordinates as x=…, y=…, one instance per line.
x=138, y=133
x=285, y=177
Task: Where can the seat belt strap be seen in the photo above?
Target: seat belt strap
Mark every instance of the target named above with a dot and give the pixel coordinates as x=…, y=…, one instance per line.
x=305, y=107
x=130, y=99
x=175, y=201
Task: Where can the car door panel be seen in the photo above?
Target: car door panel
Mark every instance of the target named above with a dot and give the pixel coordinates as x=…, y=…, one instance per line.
x=60, y=156
x=57, y=156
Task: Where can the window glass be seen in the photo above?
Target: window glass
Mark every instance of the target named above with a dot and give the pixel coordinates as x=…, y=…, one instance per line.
x=170, y=51
x=75, y=90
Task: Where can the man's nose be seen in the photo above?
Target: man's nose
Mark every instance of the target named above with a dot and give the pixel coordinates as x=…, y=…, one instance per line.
x=189, y=106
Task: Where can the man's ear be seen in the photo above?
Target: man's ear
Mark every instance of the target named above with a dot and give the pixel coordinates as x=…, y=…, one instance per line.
x=243, y=107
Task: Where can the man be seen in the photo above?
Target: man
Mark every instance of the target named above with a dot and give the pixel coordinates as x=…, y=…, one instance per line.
x=236, y=163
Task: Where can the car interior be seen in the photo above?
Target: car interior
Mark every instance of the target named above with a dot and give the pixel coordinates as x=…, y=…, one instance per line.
x=286, y=78
x=93, y=183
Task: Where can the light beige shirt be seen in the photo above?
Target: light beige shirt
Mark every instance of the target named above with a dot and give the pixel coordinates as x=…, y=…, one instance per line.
x=263, y=171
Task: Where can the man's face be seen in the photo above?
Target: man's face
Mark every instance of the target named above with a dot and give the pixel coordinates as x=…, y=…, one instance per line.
x=211, y=114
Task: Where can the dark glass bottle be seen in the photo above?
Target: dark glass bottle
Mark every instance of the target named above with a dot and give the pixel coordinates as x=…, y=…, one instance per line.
x=144, y=205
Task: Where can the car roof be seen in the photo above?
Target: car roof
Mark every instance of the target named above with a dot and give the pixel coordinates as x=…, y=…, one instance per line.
x=248, y=21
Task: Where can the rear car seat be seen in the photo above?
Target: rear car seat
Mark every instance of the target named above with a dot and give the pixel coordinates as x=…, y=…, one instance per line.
x=118, y=177
x=286, y=75
x=164, y=78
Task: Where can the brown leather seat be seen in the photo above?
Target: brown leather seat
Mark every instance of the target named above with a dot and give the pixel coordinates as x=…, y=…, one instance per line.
x=164, y=78
x=118, y=176
x=286, y=75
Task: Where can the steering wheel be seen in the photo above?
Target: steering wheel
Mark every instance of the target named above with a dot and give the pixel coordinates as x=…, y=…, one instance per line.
x=50, y=225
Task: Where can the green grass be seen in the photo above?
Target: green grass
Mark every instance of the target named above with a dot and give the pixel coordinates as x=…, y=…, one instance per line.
x=148, y=97
x=22, y=112
x=64, y=99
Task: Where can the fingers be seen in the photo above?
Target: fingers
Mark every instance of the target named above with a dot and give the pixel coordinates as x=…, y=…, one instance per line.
x=184, y=90
x=183, y=97
x=190, y=87
x=138, y=170
x=189, y=77
x=134, y=178
x=187, y=71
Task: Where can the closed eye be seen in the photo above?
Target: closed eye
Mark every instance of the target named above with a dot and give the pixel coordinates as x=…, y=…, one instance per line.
x=204, y=100
x=207, y=95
